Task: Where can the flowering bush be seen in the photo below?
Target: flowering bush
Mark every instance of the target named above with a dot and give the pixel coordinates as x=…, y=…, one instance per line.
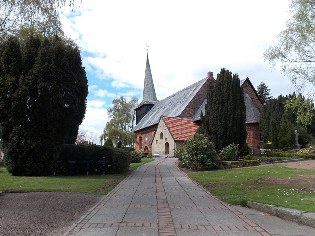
x=197, y=153
x=230, y=153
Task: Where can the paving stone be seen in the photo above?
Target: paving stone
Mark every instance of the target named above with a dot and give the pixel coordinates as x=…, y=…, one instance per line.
x=188, y=232
x=137, y=231
x=141, y=215
x=98, y=231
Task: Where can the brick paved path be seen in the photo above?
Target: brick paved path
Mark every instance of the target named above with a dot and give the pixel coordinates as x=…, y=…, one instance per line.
x=159, y=199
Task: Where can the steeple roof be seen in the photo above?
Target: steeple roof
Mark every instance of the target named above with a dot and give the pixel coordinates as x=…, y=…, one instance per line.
x=149, y=95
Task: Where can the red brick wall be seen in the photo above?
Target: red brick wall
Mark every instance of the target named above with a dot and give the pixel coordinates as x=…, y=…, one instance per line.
x=253, y=135
x=191, y=109
x=146, y=135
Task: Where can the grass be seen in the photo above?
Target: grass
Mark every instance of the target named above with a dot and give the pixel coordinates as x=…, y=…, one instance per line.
x=237, y=186
x=95, y=184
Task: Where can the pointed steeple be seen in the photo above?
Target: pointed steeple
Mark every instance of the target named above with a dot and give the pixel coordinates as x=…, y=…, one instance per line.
x=149, y=94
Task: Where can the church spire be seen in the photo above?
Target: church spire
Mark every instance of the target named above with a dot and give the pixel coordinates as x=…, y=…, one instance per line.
x=149, y=94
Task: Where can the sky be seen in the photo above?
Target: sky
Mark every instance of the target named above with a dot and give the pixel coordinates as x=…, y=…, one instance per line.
x=185, y=39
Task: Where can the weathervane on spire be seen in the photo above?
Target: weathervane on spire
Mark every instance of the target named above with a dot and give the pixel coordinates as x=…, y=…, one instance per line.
x=147, y=46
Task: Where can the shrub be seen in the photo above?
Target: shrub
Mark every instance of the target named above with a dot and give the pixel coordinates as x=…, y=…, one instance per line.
x=121, y=161
x=91, y=159
x=109, y=143
x=230, y=153
x=135, y=157
x=246, y=150
x=197, y=153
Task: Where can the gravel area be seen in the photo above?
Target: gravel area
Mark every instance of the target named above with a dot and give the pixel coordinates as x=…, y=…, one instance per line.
x=309, y=164
x=42, y=213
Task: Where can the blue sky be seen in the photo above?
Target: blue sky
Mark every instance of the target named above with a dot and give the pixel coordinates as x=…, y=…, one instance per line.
x=186, y=40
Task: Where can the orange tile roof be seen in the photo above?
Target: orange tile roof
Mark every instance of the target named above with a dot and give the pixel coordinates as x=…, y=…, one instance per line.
x=181, y=128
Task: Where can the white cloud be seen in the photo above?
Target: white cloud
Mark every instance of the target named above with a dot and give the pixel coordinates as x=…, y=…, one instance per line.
x=186, y=40
x=95, y=119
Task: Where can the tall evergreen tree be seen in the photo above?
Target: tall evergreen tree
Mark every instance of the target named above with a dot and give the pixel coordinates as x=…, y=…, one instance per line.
x=43, y=90
x=225, y=114
x=278, y=123
x=263, y=92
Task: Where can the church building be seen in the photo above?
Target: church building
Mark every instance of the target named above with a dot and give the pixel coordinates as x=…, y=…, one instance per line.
x=163, y=126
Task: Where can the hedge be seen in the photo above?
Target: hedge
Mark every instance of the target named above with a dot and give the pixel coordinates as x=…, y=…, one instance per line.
x=91, y=159
x=240, y=163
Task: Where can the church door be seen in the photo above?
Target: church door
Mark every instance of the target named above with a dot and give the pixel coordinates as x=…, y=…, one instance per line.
x=167, y=148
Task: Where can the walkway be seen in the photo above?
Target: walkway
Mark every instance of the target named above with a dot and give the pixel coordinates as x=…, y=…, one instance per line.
x=159, y=199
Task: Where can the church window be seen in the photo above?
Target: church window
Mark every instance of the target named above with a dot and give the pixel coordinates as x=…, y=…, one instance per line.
x=161, y=135
x=140, y=143
x=156, y=141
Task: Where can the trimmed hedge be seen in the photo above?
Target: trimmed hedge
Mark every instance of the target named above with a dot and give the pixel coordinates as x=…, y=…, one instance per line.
x=240, y=163
x=91, y=159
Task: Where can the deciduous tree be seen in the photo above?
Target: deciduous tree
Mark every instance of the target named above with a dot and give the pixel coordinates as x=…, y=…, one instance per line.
x=295, y=50
x=23, y=15
x=120, y=125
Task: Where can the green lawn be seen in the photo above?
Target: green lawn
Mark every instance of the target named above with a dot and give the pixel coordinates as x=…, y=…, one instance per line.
x=96, y=184
x=237, y=186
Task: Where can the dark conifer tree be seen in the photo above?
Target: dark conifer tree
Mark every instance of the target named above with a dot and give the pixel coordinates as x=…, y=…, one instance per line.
x=264, y=92
x=43, y=90
x=225, y=114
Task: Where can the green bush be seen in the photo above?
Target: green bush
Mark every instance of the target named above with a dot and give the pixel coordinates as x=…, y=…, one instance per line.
x=197, y=153
x=91, y=159
x=135, y=157
x=109, y=143
x=121, y=161
x=230, y=153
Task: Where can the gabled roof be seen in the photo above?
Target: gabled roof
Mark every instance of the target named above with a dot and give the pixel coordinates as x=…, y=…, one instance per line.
x=171, y=106
x=180, y=128
x=252, y=113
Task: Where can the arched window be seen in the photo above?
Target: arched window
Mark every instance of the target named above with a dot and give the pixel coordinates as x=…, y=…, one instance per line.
x=140, y=143
x=167, y=148
x=161, y=135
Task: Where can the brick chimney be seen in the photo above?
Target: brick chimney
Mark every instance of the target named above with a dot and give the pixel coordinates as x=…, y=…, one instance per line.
x=210, y=75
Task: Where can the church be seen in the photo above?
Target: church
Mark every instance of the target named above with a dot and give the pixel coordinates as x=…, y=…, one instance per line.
x=163, y=126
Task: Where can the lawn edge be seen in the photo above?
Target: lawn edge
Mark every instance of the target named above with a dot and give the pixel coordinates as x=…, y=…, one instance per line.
x=298, y=216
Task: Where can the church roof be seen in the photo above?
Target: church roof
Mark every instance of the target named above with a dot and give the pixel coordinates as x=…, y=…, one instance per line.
x=171, y=106
x=252, y=113
x=149, y=94
x=180, y=128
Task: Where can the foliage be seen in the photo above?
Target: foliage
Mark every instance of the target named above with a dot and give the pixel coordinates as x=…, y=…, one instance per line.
x=278, y=123
x=225, y=114
x=230, y=153
x=263, y=92
x=294, y=51
x=91, y=159
x=119, y=128
x=302, y=107
x=197, y=153
x=43, y=90
x=18, y=17
x=121, y=161
x=108, y=143
x=135, y=157
x=235, y=185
